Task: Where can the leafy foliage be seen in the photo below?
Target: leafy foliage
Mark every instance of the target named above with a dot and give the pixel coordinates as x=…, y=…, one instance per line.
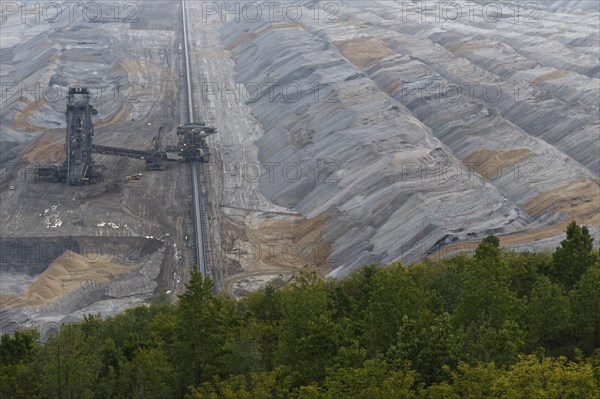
x=496, y=324
x=574, y=256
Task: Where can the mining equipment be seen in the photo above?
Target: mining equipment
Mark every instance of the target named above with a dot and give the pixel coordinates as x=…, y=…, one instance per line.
x=79, y=167
x=136, y=177
x=192, y=141
x=156, y=161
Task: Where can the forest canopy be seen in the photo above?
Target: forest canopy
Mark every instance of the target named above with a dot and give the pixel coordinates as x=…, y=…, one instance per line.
x=496, y=324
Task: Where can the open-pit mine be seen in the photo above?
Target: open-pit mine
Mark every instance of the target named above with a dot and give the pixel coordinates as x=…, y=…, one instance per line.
x=250, y=140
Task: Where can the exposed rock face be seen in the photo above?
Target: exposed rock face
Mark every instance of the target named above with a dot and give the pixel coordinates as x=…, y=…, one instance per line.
x=41, y=58
x=131, y=236
x=424, y=133
x=411, y=135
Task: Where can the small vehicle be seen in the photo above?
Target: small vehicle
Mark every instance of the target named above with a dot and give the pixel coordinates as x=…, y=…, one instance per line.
x=11, y=187
x=133, y=177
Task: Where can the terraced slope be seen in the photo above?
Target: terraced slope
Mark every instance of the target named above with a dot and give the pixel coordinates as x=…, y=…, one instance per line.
x=350, y=132
x=434, y=133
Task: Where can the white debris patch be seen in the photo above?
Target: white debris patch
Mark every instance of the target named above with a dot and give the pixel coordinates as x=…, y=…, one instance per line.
x=52, y=217
x=109, y=224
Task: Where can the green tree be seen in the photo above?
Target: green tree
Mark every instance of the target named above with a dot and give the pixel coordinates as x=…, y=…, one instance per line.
x=574, y=256
x=376, y=379
x=530, y=378
x=110, y=378
x=492, y=240
x=476, y=382
x=200, y=332
x=394, y=296
x=487, y=343
x=244, y=351
x=129, y=330
x=430, y=347
x=267, y=385
x=450, y=329
x=595, y=362
x=150, y=375
x=309, y=337
x=70, y=364
x=586, y=306
x=524, y=269
x=438, y=391
x=541, y=378
x=265, y=306
x=19, y=348
x=486, y=297
x=18, y=379
x=548, y=313
x=448, y=281
x=487, y=311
